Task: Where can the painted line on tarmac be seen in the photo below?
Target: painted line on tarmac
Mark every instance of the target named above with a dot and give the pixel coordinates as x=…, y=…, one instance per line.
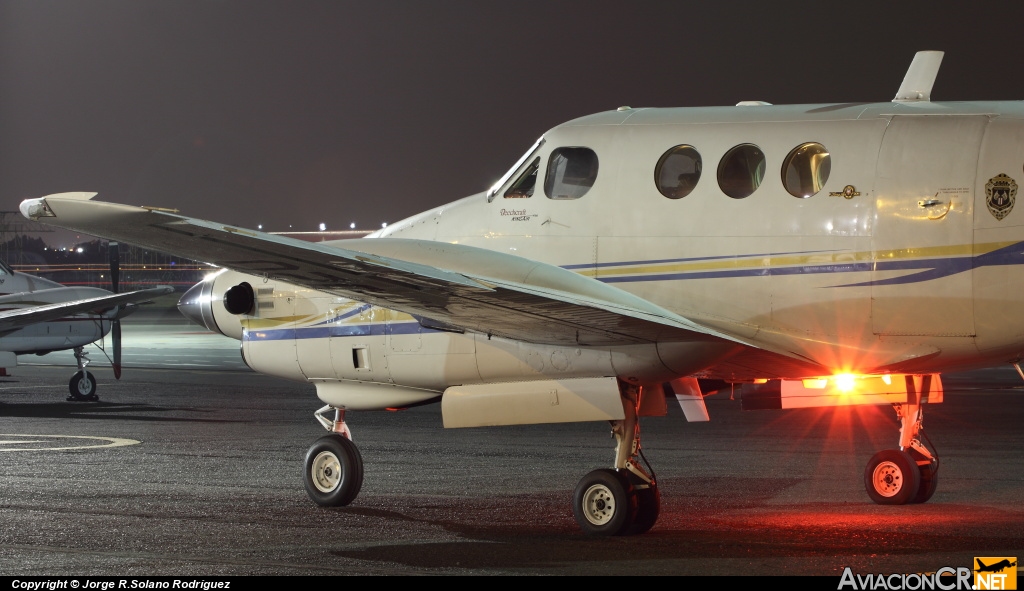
x=49, y=439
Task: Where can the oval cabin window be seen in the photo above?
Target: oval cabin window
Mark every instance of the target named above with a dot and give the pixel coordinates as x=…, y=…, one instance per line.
x=678, y=171
x=741, y=171
x=806, y=169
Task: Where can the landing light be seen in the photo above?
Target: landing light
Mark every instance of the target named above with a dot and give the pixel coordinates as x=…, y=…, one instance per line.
x=844, y=382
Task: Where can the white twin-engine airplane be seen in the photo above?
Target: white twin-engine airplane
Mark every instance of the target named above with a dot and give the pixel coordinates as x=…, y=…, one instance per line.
x=41, y=316
x=842, y=253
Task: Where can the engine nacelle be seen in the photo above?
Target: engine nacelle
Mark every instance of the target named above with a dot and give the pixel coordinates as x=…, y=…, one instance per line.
x=341, y=345
x=207, y=302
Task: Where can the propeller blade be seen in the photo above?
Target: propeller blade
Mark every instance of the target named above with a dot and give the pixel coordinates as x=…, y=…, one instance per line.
x=115, y=334
x=115, y=265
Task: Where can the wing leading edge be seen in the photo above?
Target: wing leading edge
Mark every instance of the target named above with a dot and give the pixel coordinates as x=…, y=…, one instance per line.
x=462, y=286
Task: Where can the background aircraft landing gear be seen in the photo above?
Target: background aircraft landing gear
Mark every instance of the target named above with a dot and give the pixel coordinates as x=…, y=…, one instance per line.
x=623, y=501
x=82, y=387
x=333, y=470
x=83, y=384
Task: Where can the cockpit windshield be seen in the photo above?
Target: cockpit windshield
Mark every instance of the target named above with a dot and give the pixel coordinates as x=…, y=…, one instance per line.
x=504, y=179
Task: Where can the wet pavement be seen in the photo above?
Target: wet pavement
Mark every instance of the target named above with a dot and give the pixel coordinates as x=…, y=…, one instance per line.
x=191, y=465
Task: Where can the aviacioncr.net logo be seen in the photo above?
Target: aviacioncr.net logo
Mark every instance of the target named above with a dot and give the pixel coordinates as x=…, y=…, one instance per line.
x=946, y=578
x=995, y=572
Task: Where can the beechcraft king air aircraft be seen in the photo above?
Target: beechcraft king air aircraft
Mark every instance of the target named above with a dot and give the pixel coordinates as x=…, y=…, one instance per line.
x=837, y=254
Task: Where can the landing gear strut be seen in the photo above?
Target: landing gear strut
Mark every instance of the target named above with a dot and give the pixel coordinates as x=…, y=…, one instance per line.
x=333, y=470
x=623, y=500
x=83, y=384
x=908, y=474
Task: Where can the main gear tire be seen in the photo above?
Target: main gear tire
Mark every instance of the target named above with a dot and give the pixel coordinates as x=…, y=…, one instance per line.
x=929, y=482
x=892, y=477
x=648, y=508
x=333, y=471
x=604, y=503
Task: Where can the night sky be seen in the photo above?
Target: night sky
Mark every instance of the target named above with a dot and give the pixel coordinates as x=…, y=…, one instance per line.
x=292, y=113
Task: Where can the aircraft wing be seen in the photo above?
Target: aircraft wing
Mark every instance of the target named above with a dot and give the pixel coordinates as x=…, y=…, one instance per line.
x=16, y=318
x=449, y=284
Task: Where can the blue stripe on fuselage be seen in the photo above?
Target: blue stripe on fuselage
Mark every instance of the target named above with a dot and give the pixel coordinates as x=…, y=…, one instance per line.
x=320, y=331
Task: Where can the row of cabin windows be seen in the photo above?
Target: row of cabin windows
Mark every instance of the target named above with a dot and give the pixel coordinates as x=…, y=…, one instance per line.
x=571, y=172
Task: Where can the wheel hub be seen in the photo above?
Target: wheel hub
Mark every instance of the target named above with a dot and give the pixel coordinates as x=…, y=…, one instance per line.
x=888, y=479
x=326, y=472
x=598, y=504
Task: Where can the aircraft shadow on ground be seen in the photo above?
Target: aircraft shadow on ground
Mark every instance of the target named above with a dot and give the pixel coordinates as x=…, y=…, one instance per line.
x=105, y=411
x=693, y=527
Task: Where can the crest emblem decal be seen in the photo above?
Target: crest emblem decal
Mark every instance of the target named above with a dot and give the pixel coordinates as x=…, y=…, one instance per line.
x=848, y=192
x=1000, y=192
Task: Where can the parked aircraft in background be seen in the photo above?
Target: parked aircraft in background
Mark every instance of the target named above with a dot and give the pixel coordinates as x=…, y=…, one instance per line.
x=824, y=255
x=41, y=316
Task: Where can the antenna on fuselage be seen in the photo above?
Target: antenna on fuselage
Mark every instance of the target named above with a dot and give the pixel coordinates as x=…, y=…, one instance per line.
x=917, y=84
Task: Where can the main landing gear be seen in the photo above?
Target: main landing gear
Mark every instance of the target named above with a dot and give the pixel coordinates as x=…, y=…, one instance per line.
x=909, y=474
x=83, y=384
x=623, y=500
x=333, y=470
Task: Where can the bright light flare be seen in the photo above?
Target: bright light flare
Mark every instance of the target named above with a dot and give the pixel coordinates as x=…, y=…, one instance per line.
x=845, y=382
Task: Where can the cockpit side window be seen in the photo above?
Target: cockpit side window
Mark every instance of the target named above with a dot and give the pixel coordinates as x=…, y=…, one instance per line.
x=523, y=186
x=571, y=172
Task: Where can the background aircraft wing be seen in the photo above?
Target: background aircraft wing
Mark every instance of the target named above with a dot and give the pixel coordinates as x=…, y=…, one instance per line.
x=15, y=318
x=447, y=284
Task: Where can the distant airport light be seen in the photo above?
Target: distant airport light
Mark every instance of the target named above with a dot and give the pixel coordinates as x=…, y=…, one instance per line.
x=79, y=249
x=323, y=226
x=352, y=225
x=384, y=225
x=259, y=227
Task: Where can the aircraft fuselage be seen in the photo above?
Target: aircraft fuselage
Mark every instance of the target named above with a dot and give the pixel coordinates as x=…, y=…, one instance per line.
x=902, y=254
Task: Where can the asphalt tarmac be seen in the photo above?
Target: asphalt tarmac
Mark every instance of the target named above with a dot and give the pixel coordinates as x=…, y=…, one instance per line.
x=191, y=465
